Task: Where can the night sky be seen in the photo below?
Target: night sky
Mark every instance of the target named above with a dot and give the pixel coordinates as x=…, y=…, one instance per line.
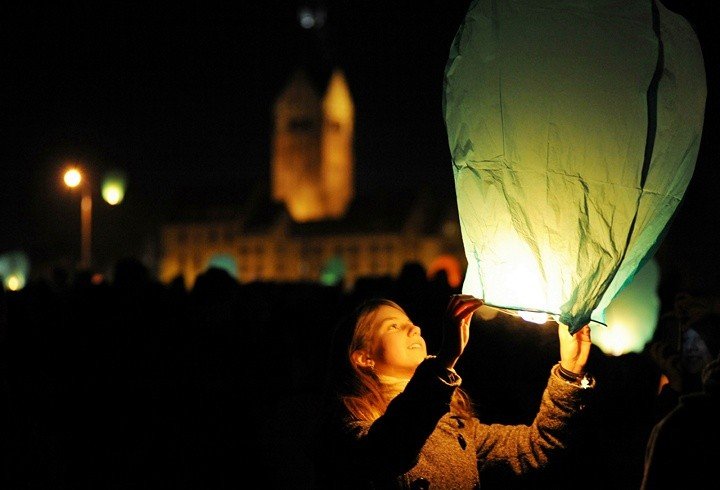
x=179, y=96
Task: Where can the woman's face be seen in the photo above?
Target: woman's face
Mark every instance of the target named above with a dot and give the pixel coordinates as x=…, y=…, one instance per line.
x=695, y=354
x=398, y=347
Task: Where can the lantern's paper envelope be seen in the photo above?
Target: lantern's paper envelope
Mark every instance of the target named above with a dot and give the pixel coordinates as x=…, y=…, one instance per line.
x=574, y=128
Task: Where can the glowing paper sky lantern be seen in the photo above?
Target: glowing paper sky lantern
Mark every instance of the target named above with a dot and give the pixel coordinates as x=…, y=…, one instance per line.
x=574, y=128
x=632, y=315
x=113, y=187
x=14, y=270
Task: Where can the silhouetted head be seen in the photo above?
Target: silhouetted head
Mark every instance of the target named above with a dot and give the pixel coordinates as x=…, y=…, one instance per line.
x=700, y=343
x=129, y=272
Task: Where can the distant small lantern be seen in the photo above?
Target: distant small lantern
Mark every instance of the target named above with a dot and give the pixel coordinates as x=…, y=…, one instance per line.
x=333, y=271
x=113, y=187
x=14, y=269
x=574, y=129
x=632, y=315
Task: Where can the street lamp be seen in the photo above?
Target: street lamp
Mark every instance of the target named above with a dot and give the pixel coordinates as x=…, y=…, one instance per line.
x=74, y=178
x=113, y=192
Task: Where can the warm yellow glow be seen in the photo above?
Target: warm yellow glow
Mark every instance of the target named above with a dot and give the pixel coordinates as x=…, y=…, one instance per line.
x=72, y=177
x=113, y=187
x=450, y=265
x=13, y=283
x=305, y=205
x=170, y=267
x=516, y=279
x=338, y=103
x=112, y=194
x=615, y=339
x=533, y=316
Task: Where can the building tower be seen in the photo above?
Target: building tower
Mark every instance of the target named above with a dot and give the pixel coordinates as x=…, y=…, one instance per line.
x=312, y=152
x=336, y=151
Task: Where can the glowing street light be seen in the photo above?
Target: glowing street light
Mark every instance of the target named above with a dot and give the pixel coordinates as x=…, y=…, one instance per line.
x=74, y=179
x=113, y=191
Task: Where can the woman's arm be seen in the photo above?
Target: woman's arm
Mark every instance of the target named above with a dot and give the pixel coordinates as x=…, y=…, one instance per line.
x=520, y=448
x=391, y=444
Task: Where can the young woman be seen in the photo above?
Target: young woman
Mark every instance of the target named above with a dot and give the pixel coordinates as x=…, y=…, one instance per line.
x=400, y=419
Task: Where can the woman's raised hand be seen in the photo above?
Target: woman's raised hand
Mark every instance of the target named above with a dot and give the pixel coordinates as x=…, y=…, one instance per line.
x=574, y=348
x=456, y=332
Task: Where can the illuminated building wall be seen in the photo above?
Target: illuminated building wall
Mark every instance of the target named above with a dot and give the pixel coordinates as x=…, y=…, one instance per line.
x=310, y=217
x=188, y=249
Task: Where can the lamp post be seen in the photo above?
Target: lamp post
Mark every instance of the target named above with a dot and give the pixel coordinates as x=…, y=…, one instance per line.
x=113, y=192
x=74, y=178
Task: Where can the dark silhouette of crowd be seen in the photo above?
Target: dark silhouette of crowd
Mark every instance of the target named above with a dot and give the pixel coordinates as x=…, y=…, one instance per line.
x=127, y=383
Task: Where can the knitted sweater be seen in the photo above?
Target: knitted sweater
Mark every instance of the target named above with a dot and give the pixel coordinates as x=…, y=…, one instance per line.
x=420, y=443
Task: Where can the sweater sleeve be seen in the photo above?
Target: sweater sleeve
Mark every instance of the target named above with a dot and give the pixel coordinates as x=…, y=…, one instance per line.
x=520, y=448
x=392, y=443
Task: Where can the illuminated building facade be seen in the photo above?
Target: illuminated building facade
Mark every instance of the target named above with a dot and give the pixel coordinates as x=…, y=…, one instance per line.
x=310, y=225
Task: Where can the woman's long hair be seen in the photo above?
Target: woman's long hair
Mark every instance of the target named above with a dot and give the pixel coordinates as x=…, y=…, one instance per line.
x=358, y=388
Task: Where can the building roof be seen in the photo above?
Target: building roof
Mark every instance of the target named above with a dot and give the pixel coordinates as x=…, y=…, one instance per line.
x=404, y=209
